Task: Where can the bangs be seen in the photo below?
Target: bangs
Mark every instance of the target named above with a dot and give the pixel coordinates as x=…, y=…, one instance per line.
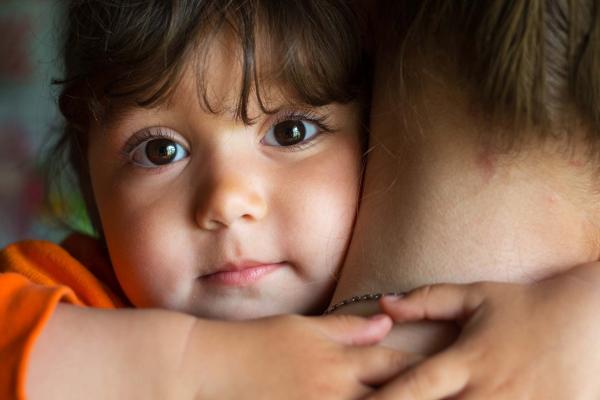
x=142, y=50
x=123, y=53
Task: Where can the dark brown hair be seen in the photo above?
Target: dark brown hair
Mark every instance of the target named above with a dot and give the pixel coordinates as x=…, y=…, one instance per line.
x=531, y=63
x=124, y=52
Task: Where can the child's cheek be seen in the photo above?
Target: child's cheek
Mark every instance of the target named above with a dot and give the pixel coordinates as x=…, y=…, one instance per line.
x=326, y=207
x=145, y=229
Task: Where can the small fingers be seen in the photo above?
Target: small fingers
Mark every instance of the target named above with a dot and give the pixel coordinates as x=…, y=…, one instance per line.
x=437, y=378
x=434, y=302
x=356, y=331
x=379, y=364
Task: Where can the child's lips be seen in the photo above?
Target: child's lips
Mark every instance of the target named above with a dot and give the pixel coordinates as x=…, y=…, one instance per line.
x=240, y=275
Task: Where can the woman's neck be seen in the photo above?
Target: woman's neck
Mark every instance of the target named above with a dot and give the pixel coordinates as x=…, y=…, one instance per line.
x=444, y=208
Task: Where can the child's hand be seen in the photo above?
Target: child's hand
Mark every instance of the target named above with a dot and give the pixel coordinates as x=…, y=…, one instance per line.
x=292, y=357
x=537, y=341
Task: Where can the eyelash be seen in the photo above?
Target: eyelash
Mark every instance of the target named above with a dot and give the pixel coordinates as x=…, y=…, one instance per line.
x=160, y=133
x=304, y=115
x=143, y=136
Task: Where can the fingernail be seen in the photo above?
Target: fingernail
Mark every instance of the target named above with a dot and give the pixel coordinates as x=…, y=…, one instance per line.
x=392, y=297
x=378, y=317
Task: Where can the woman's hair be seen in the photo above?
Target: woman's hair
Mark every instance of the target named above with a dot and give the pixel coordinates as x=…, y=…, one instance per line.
x=533, y=63
x=120, y=53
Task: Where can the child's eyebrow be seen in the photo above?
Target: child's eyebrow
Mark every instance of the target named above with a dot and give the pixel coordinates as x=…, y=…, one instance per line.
x=117, y=113
x=112, y=118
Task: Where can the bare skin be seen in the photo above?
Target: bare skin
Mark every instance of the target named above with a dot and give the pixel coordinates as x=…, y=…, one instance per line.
x=87, y=353
x=442, y=205
x=456, y=211
x=533, y=341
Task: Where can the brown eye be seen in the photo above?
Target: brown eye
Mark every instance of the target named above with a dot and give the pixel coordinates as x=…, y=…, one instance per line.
x=290, y=132
x=161, y=151
x=157, y=152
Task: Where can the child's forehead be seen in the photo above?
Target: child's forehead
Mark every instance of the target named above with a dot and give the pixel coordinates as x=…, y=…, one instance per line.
x=222, y=99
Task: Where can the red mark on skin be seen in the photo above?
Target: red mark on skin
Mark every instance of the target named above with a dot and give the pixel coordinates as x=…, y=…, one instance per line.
x=486, y=161
x=552, y=199
x=576, y=163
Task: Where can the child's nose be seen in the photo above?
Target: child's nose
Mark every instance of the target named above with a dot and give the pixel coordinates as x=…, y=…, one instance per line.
x=229, y=200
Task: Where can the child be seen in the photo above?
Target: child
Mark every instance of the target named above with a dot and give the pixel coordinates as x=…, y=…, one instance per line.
x=218, y=146
x=195, y=179
x=206, y=195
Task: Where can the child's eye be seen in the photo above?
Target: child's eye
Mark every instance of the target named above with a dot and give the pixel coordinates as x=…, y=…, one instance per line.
x=290, y=133
x=156, y=152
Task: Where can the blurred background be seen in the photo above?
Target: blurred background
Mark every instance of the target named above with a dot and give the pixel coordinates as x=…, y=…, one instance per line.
x=29, y=60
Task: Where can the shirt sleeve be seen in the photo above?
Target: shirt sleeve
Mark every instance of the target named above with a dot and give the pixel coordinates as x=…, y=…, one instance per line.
x=25, y=308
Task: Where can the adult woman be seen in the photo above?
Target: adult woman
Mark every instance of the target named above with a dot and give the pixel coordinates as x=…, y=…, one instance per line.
x=482, y=163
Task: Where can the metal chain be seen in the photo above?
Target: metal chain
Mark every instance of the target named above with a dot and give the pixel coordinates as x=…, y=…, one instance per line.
x=360, y=299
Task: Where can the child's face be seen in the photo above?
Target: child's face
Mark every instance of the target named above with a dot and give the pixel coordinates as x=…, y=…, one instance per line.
x=208, y=216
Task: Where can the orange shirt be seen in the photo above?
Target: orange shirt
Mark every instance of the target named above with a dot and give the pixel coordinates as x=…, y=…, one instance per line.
x=34, y=277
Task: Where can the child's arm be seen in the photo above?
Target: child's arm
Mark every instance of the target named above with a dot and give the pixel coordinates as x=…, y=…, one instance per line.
x=91, y=353
x=537, y=341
